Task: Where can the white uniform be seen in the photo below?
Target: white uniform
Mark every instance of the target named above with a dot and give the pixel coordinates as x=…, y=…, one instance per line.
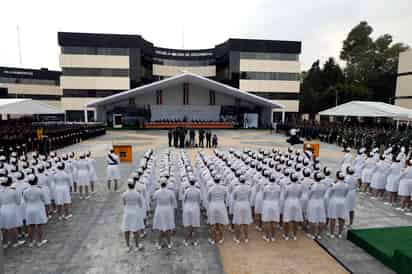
x=405, y=184
x=347, y=161
x=242, y=213
x=292, y=210
x=337, y=201
x=164, y=215
x=379, y=176
x=368, y=169
x=113, y=172
x=9, y=202
x=35, y=210
x=392, y=181
x=62, y=187
x=358, y=163
x=133, y=218
x=272, y=204
x=351, y=198
x=83, y=172
x=217, y=213
x=191, y=207
x=316, y=211
x=45, y=183
x=92, y=169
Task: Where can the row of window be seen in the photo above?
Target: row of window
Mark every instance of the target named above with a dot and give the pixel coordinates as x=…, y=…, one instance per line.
x=95, y=51
x=183, y=63
x=277, y=95
x=10, y=80
x=88, y=93
x=282, y=76
x=170, y=52
x=95, y=72
x=269, y=56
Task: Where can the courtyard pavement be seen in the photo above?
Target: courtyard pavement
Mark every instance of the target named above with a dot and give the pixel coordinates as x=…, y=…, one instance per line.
x=92, y=243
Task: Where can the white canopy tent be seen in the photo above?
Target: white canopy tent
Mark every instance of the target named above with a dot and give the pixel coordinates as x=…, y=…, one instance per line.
x=369, y=109
x=26, y=107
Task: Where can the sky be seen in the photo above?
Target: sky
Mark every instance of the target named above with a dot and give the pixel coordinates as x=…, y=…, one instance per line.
x=321, y=25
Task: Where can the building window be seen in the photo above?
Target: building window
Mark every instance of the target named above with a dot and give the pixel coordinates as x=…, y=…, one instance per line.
x=185, y=93
x=280, y=76
x=131, y=101
x=278, y=95
x=212, y=97
x=269, y=56
x=95, y=51
x=159, y=97
x=95, y=72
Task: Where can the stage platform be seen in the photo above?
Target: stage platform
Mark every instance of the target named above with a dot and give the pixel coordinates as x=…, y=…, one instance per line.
x=197, y=125
x=392, y=246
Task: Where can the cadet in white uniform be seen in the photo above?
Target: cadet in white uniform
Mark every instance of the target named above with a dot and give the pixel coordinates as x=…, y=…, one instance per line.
x=133, y=218
x=367, y=172
x=337, y=210
x=271, y=208
x=35, y=211
x=292, y=211
x=242, y=213
x=378, y=181
x=63, y=199
x=83, y=176
x=351, y=198
x=191, y=212
x=405, y=187
x=92, y=170
x=217, y=212
x=113, y=172
x=392, y=181
x=316, y=212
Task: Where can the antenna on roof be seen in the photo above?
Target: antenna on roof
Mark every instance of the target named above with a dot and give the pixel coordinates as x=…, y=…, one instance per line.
x=183, y=36
x=18, y=43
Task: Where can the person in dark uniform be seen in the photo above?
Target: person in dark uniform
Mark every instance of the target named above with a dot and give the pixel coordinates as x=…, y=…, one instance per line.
x=170, y=137
x=214, y=141
x=176, y=137
x=192, y=137
x=208, y=139
x=182, y=137
x=201, y=137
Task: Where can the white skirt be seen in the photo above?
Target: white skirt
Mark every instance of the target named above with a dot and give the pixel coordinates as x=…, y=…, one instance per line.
x=392, y=182
x=62, y=195
x=316, y=212
x=242, y=213
x=113, y=172
x=405, y=187
x=350, y=201
x=271, y=211
x=259, y=202
x=217, y=213
x=93, y=175
x=9, y=217
x=47, y=195
x=292, y=211
x=164, y=218
x=378, y=180
x=36, y=214
x=133, y=219
x=191, y=215
x=83, y=178
x=337, y=209
x=366, y=175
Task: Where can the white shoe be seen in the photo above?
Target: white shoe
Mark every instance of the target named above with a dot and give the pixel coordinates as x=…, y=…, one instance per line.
x=374, y=198
x=265, y=238
x=68, y=217
x=294, y=238
x=169, y=246
x=87, y=197
x=139, y=247
x=129, y=249
x=273, y=239
x=386, y=203
x=221, y=241
x=332, y=236
x=42, y=243
x=5, y=246
x=81, y=197
x=158, y=246
x=246, y=240
x=236, y=240
x=32, y=244
x=143, y=235
x=319, y=237
x=340, y=236
x=285, y=237
x=185, y=243
x=60, y=218
x=195, y=243
x=408, y=214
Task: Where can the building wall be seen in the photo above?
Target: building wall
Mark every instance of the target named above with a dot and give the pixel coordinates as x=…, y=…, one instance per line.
x=95, y=83
x=403, y=95
x=93, y=61
x=166, y=71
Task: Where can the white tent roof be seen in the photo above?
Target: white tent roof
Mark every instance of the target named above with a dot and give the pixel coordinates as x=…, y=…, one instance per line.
x=186, y=77
x=26, y=107
x=368, y=109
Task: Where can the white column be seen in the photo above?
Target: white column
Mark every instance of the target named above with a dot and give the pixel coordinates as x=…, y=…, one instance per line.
x=85, y=115
x=95, y=114
x=283, y=116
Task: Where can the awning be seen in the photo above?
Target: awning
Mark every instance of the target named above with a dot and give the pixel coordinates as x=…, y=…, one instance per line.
x=369, y=109
x=26, y=107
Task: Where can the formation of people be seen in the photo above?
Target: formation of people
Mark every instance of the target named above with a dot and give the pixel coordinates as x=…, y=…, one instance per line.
x=385, y=175
x=184, y=137
x=36, y=188
x=278, y=192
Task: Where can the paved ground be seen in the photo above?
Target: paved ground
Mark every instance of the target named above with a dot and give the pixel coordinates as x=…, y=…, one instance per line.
x=92, y=243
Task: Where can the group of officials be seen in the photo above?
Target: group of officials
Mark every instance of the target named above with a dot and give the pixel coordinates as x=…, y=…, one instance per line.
x=231, y=189
x=184, y=137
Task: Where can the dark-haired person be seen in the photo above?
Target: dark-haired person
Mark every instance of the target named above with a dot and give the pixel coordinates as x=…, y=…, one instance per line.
x=392, y=181
x=191, y=212
x=337, y=205
x=164, y=214
x=62, y=192
x=271, y=208
x=10, y=221
x=35, y=211
x=378, y=181
x=351, y=198
x=113, y=172
x=367, y=172
x=133, y=215
x=217, y=211
x=292, y=210
x=316, y=212
x=92, y=171
x=45, y=184
x=242, y=213
x=83, y=176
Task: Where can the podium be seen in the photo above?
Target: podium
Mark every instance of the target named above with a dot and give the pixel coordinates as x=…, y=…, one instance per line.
x=124, y=152
x=315, y=148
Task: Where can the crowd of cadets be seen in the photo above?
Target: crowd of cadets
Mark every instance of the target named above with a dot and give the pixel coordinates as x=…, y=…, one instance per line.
x=231, y=189
x=355, y=135
x=36, y=187
x=184, y=137
x=385, y=175
x=21, y=135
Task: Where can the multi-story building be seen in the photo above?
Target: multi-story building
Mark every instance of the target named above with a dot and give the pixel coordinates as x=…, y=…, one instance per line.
x=403, y=95
x=38, y=84
x=98, y=65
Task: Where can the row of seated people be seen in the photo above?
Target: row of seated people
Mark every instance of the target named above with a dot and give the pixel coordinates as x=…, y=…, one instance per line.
x=184, y=121
x=22, y=135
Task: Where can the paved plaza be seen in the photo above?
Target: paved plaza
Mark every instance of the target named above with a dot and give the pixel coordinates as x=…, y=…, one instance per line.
x=92, y=242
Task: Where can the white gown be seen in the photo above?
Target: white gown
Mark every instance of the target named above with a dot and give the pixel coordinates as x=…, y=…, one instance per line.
x=316, y=211
x=62, y=187
x=113, y=172
x=9, y=202
x=45, y=184
x=164, y=215
x=133, y=218
x=35, y=210
x=83, y=172
x=272, y=204
x=92, y=169
x=337, y=201
x=392, y=181
x=347, y=161
x=358, y=163
x=292, y=210
x=351, y=198
x=242, y=213
x=379, y=176
x=191, y=207
x=217, y=212
x=367, y=172
x=405, y=184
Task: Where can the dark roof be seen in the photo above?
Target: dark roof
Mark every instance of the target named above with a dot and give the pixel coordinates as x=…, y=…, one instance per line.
x=41, y=74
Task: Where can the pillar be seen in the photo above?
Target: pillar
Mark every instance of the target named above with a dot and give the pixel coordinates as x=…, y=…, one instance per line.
x=283, y=117
x=85, y=116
